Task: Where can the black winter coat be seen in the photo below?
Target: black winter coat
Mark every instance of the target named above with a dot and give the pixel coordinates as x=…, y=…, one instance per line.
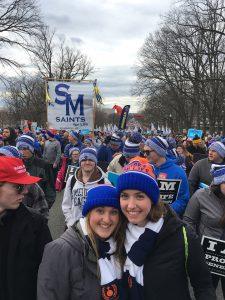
x=165, y=272
x=28, y=237
x=40, y=168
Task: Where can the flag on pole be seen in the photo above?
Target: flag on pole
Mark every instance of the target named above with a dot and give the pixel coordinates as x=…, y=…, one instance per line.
x=124, y=117
x=118, y=109
x=48, y=99
x=97, y=92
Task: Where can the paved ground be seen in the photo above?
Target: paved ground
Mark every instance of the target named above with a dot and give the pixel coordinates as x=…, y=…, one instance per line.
x=57, y=226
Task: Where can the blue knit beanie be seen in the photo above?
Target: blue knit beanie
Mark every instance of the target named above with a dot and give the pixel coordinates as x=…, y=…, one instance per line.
x=115, y=140
x=88, y=153
x=25, y=141
x=158, y=144
x=10, y=151
x=218, y=174
x=50, y=134
x=219, y=148
x=101, y=195
x=74, y=134
x=134, y=180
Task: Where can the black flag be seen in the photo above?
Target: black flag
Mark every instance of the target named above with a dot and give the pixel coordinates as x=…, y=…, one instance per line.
x=123, y=117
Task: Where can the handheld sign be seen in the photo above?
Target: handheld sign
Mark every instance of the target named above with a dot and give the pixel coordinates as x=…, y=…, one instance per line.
x=70, y=171
x=214, y=254
x=192, y=132
x=169, y=189
x=113, y=177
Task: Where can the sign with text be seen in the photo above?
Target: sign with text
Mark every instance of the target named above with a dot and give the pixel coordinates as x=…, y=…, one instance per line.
x=169, y=189
x=70, y=171
x=71, y=105
x=214, y=254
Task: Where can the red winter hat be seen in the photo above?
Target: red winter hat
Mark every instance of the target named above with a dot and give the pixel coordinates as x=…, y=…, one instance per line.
x=13, y=170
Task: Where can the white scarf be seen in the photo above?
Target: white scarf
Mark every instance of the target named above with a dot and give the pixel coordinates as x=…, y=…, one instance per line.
x=108, y=265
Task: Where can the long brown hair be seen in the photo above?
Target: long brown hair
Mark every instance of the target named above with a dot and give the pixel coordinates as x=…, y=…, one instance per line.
x=118, y=234
x=157, y=211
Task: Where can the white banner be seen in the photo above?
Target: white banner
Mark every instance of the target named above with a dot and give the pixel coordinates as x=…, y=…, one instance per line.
x=71, y=105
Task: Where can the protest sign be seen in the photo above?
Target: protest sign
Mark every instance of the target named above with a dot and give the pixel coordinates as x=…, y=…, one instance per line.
x=71, y=105
x=169, y=189
x=192, y=132
x=70, y=171
x=214, y=254
x=113, y=177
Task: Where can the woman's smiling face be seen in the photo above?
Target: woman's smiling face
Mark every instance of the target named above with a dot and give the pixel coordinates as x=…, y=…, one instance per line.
x=136, y=206
x=104, y=220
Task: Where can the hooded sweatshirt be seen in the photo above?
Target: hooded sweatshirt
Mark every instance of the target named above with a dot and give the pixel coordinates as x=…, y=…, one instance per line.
x=73, y=202
x=169, y=170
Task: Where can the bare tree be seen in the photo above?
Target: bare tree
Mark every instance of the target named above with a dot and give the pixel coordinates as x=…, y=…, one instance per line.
x=19, y=21
x=182, y=66
x=57, y=60
x=25, y=99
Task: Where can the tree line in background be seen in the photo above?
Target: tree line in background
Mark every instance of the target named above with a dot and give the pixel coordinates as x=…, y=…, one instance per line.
x=181, y=71
x=22, y=27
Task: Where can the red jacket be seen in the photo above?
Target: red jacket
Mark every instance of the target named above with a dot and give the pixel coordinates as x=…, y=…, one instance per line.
x=60, y=184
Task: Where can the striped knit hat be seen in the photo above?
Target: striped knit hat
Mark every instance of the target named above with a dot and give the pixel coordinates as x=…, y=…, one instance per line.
x=131, y=146
x=159, y=145
x=88, y=153
x=25, y=142
x=218, y=174
x=115, y=140
x=219, y=148
x=10, y=151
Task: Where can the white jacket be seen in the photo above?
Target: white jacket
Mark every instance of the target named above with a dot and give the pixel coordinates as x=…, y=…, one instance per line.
x=72, y=204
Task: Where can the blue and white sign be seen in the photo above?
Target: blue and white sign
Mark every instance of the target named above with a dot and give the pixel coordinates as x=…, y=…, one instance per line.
x=71, y=106
x=192, y=132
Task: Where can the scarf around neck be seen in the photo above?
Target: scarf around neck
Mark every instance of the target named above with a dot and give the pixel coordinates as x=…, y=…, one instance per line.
x=139, y=244
x=109, y=266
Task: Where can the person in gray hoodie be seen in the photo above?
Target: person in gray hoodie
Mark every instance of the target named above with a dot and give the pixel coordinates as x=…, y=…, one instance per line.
x=205, y=212
x=87, y=176
x=81, y=264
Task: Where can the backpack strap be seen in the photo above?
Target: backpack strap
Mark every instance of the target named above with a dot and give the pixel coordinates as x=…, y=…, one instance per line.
x=185, y=247
x=73, y=181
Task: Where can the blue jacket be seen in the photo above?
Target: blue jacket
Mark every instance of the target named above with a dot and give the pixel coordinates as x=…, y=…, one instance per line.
x=173, y=171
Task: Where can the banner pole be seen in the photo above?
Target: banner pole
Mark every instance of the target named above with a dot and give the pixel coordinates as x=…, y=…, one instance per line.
x=46, y=103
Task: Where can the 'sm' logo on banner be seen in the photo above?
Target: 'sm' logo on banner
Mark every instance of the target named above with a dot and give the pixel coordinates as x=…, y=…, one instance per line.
x=62, y=91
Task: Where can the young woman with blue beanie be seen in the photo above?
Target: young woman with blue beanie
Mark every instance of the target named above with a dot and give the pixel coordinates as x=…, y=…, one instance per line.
x=160, y=251
x=205, y=212
x=85, y=262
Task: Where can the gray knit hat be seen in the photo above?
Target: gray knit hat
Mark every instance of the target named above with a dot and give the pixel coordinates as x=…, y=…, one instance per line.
x=219, y=148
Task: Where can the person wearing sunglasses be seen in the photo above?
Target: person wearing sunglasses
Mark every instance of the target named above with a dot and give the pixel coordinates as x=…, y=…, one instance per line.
x=23, y=233
x=167, y=170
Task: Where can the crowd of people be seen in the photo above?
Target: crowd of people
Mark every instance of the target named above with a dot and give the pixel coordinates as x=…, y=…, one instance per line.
x=133, y=237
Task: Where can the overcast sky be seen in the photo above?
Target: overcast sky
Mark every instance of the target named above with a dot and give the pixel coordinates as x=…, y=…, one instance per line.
x=110, y=32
